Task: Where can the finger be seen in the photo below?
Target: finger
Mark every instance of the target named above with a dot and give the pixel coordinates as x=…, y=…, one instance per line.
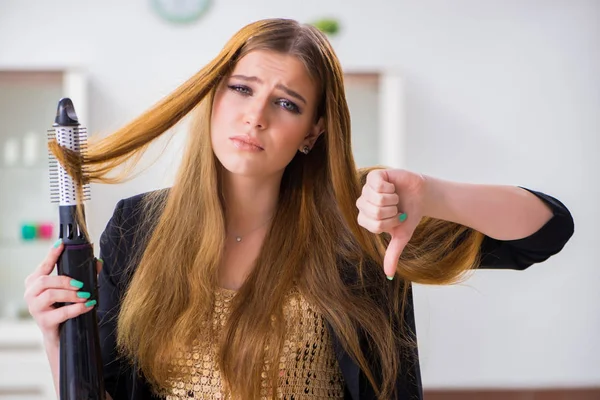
x=57, y=316
x=380, y=225
x=378, y=181
x=47, y=282
x=47, y=266
x=381, y=199
x=392, y=255
x=377, y=212
x=49, y=298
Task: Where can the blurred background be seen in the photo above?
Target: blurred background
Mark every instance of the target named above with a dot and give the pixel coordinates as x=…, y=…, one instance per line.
x=491, y=91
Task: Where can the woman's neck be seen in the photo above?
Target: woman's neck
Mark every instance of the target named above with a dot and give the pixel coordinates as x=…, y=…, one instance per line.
x=249, y=201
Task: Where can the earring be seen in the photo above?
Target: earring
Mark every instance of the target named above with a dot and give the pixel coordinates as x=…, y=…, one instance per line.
x=305, y=149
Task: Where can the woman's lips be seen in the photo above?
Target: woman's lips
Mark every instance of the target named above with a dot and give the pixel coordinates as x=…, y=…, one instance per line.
x=244, y=142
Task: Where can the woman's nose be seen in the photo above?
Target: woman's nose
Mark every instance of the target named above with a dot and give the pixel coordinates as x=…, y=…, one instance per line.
x=256, y=114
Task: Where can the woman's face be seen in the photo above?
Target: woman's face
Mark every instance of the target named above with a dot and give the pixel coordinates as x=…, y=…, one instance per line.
x=263, y=113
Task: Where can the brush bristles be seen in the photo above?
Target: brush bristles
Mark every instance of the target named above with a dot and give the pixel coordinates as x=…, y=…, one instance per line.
x=56, y=171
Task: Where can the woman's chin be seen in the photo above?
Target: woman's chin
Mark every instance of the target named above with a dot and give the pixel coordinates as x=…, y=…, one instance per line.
x=243, y=168
x=237, y=164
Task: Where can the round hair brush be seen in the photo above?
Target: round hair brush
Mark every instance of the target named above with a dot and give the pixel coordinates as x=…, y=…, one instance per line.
x=80, y=374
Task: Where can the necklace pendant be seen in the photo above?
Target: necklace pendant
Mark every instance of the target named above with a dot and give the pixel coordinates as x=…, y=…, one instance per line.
x=238, y=239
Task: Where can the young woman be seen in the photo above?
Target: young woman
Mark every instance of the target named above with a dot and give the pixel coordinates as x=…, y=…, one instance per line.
x=261, y=273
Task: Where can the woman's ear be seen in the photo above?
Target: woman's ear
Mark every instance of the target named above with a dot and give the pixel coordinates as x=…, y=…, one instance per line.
x=316, y=130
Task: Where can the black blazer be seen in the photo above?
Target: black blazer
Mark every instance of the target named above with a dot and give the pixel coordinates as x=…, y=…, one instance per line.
x=122, y=381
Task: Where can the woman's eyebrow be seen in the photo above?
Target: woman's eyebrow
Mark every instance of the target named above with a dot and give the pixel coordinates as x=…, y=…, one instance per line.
x=278, y=86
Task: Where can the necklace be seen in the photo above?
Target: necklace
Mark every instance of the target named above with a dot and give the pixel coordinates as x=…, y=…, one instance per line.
x=238, y=238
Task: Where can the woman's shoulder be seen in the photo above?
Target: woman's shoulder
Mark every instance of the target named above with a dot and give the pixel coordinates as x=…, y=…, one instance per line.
x=127, y=230
x=132, y=209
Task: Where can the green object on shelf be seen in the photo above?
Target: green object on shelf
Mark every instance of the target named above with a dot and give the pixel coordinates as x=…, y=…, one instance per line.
x=329, y=26
x=28, y=231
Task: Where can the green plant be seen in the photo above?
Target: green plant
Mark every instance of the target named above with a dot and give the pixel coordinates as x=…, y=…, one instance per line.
x=329, y=26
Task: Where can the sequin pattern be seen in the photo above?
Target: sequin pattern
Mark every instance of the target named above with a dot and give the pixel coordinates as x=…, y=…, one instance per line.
x=308, y=368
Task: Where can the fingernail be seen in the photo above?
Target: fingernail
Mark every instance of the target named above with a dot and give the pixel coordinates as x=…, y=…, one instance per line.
x=402, y=217
x=83, y=295
x=90, y=303
x=76, y=283
x=390, y=277
x=57, y=243
x=101, y=261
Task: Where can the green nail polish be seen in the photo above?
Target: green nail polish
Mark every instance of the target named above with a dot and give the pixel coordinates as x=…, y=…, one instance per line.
x=90, y=303
x=57, y=243
x=101, y=261
x=390, y=277
x=83, y=295
x=76, y=283
x=402, y=217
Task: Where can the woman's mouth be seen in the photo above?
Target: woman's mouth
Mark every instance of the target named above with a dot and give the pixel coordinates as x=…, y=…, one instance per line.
x=245, y=142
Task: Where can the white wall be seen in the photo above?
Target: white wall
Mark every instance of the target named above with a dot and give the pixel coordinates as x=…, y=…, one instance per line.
x=496, y=91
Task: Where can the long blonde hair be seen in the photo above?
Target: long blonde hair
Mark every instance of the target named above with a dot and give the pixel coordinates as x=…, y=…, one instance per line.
x=315, y=241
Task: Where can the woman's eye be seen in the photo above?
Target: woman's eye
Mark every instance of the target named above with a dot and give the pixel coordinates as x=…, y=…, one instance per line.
x=240, y=89
x=288, y=105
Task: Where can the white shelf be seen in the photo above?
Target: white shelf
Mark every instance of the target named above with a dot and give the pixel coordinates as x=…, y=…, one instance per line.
x=19, y=243
x=20, y=333
x=24, y=369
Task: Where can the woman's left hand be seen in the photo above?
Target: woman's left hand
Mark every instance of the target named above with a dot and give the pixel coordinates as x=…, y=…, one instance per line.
x=392, y=201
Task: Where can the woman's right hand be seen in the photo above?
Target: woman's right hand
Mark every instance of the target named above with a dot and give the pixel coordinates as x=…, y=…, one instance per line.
x=42, y=291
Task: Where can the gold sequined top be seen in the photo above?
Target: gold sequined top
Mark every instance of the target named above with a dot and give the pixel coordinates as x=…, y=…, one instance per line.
x=308, y=368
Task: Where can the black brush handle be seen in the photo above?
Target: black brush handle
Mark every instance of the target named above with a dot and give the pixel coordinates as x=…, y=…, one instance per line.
x=80, y=375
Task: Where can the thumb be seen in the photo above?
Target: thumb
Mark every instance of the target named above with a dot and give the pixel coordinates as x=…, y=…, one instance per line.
x=99, y=264
x=392, y=255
